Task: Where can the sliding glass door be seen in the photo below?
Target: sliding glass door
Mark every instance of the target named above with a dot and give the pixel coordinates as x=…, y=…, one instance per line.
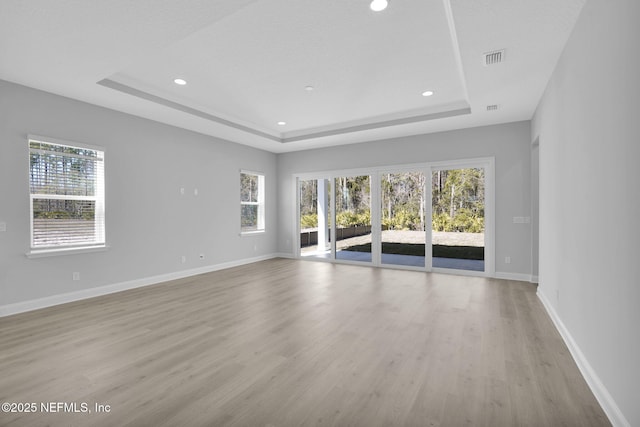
x=402, y=213
x=458, y=218
x=353, y=218
x=314, y=213
x=432, y=216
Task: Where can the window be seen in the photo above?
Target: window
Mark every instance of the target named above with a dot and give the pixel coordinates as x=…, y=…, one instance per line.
x=251, y=202
x=66, y=195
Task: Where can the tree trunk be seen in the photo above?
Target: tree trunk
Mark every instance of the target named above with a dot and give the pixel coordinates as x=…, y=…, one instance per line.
x=451, y=205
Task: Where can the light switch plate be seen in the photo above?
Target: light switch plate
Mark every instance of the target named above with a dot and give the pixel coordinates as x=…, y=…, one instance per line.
x=3, y=226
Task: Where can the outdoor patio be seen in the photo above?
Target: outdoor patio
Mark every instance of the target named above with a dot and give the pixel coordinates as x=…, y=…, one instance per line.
x=408, y=237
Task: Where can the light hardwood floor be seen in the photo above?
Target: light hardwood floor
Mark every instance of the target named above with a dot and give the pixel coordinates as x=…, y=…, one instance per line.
x=297, y=343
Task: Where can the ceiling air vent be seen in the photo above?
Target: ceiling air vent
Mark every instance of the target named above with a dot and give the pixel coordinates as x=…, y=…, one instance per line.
x=493, y=107
x=494, y=57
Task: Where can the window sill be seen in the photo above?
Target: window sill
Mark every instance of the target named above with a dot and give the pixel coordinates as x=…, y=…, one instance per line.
x=41, y=253
x=251, y=233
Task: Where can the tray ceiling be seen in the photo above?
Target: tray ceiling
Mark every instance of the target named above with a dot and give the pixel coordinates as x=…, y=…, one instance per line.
x=334, y=72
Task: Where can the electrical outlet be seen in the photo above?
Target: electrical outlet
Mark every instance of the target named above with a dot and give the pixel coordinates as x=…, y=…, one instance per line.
x=182, y=190
x=183, y=259
x=195, y=191
x=3, y=226
x=507, y=260
x=76, y=275
x=255, y=248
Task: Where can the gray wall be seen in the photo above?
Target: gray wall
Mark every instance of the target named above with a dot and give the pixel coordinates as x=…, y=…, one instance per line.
x=588, y=123
x=510, y=144
x=149, y=224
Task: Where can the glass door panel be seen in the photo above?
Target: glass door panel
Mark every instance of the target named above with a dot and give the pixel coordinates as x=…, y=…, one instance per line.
x=315, y=218
x=458, y=218
x=353, y=218
x=402, y=214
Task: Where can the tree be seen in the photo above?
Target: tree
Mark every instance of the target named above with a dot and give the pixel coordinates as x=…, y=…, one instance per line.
x=458, y=194
x=403, y=200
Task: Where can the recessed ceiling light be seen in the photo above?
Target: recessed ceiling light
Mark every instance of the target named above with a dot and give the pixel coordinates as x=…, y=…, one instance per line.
x=308, y=88
x=427, y=93
x=282, y=123
x=378, y=5
x=180, y=82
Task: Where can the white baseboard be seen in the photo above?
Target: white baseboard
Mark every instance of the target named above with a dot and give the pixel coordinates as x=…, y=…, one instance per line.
x=24, y=306
x=534, y=279
x=284, y=255
x=611, y=409
x=512, y=276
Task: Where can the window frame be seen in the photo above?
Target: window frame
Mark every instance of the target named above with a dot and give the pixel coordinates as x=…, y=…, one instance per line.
x=489, y=165
x=99, y=198
x=260, y=203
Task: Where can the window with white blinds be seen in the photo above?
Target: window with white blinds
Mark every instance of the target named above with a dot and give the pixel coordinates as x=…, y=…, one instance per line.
x=251, y=202
x=66, y=194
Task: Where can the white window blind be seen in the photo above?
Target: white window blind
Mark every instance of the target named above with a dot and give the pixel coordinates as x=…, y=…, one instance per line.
x=67, y=195
x=251, y=202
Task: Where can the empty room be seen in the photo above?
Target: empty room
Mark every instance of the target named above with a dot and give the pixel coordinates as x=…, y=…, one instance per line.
x=342, y=213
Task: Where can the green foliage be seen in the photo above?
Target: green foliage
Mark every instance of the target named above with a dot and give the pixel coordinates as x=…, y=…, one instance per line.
x=458, y=189
x=363, y=218
x=309, y=221
x=404, y=218
x=345, y=219
x=458, y=200
x=52, y=215
x=441, y=222
x=464, y=221
x=350, y=219
x=84, y=215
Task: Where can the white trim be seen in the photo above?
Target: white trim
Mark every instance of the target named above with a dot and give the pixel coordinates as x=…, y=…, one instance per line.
x=251, y=172
x=24, y=306
x=283, y=255
x=41, y=253
x=611, y=409
x=295, y=241
x=71, y=144
x=453, y=34
x=375, y=218
x=405, y=167
x=534, y=279
x=512, y=276
x=461, y=163
x=260, y=203
x=252, y=233
x=99, y=220
x=44, y=196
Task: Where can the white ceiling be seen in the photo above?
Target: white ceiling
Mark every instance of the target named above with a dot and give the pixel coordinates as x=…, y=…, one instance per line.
x=247, y=63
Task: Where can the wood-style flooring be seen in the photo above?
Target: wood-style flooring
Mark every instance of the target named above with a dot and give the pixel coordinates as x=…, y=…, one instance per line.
x=297, y=343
